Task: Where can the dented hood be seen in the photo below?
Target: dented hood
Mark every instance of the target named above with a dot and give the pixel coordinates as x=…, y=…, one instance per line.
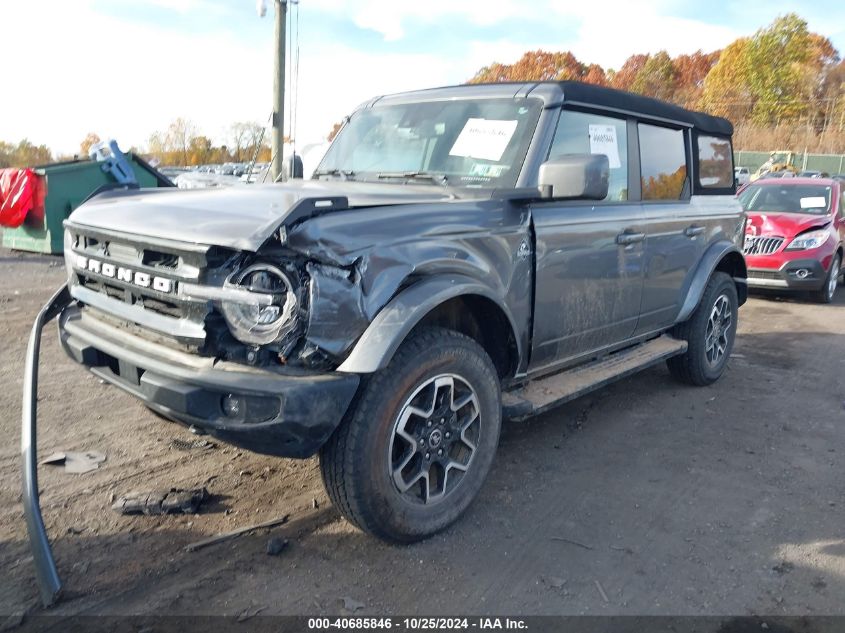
x=783, y=224
x=241, y=217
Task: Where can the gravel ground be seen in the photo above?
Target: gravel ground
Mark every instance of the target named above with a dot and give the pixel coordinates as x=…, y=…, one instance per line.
x=646, y=497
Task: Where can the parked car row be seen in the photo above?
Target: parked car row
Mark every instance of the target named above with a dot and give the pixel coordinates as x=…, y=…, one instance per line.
x=742, y=175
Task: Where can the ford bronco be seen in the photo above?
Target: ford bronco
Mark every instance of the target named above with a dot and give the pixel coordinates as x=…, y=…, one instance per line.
x=460, y=256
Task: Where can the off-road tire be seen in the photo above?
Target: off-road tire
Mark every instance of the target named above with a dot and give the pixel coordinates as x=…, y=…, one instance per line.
x=824, y=294
x=692, y=367
x=356, y=461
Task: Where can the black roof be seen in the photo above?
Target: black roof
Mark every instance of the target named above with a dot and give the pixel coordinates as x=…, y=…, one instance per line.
x=588, y=94
x=554, y=93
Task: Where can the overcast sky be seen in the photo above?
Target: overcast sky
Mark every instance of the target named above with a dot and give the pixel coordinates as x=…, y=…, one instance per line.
x=125, y=68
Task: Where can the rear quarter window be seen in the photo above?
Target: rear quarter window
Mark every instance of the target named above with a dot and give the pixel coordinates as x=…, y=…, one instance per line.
x=715, y=162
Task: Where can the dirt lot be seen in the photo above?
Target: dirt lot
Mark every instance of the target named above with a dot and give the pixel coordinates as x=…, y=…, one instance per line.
x=670, y=500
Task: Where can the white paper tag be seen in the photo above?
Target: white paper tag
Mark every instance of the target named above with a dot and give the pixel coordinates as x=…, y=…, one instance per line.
x=817, y=202
x=603, y=141
x=483, y=138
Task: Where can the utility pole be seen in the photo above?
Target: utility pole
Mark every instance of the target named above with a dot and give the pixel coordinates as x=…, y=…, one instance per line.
x=277, y=143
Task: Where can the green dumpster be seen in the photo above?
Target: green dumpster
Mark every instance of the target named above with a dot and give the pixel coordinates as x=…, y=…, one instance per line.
x=67, y=186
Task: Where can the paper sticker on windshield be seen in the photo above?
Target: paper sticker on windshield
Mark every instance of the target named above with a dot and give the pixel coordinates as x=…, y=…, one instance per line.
x=603, y=141
x=816, y=202
x=483, y=138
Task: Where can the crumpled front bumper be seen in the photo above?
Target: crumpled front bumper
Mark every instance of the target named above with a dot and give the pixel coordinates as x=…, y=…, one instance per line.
x=183, y=387
x=286, y=413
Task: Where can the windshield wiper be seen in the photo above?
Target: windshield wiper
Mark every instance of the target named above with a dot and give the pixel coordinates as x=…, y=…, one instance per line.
x=414, y=175
x=343, y=173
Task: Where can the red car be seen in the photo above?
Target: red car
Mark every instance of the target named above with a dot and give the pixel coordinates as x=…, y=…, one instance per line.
x=794, y=234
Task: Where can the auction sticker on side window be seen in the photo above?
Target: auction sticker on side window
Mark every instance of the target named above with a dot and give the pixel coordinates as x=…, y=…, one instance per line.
x=603, y=141
x=483, y=138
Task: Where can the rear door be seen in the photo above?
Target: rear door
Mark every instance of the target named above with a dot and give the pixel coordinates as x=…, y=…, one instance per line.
x=675, y=232
x=588, y=254
x=679, y=226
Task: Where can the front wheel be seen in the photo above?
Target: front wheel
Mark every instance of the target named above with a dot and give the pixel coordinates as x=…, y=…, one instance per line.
x=414, y=451
x=826, y=293
x=709, y=333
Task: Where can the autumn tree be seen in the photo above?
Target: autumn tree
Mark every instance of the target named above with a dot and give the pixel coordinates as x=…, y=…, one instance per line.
x=539, y=66
x=690, y=73
x=90, y=140
x=727, y=91
x=333, y=132
x=199, y=150
x=828, y=74
x=657, y=78
x=832, y=98
x=776, y=59
x=595, y=75
x=624, y=77
x=7, y=151
x=24, y=154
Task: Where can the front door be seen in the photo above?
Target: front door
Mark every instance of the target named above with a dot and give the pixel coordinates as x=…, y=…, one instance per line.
x=589, y=278
x=589, y=255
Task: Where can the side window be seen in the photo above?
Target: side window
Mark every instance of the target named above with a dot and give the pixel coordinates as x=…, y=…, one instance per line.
x=582, y=133
x=842, y=205
x=714, y=162
x=663, y=164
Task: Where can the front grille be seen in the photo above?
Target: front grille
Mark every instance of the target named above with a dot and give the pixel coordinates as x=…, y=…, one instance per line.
x=155, y=305
x=764, y=274
x=762, y=245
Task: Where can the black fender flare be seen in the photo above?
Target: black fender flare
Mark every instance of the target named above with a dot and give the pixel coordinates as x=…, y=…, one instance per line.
x=713, y=256
x=394, y=322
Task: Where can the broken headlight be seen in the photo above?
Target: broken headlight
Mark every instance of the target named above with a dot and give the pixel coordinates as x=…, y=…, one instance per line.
x=265, y=309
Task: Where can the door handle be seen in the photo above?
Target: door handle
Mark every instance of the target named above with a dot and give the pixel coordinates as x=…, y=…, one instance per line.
x=628, y=237
x=692, y=231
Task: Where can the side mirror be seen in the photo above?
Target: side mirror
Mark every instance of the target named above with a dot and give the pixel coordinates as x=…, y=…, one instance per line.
x=293, y=166
x=575, y=176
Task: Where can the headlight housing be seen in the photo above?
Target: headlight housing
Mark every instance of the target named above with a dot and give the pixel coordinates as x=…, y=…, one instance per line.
x=805, y=241
x=267, y=311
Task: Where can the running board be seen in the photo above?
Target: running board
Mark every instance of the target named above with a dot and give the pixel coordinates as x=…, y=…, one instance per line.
x=546, y=393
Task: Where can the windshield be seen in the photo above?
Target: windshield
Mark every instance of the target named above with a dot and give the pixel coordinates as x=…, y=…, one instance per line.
x=777, y=198
x=464, y=143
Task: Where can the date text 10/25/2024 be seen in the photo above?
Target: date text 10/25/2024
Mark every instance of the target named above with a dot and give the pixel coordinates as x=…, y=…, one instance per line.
x=416, y=624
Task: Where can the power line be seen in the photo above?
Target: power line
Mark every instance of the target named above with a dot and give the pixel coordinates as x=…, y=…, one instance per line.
x=294, y=114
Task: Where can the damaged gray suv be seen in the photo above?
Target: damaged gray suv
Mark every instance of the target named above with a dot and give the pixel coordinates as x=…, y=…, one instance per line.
x=460, y=256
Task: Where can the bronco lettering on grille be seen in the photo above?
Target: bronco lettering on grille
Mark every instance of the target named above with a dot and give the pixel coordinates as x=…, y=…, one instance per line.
x=142, y=279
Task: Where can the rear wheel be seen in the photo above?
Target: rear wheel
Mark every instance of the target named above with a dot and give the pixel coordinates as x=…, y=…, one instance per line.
x=826, y=293
x=414, y=452
x=709, y=333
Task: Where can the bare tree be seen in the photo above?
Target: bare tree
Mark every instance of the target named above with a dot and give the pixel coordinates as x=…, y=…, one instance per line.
x=239, y=135
x=179, y=136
